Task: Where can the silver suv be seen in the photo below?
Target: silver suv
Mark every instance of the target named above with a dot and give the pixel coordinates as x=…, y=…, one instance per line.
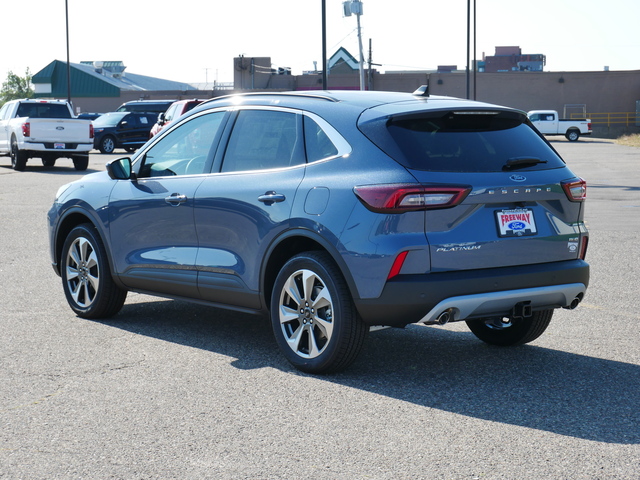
x=331, y=212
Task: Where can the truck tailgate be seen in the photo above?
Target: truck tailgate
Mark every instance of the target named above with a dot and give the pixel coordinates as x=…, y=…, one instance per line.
x=53, y=130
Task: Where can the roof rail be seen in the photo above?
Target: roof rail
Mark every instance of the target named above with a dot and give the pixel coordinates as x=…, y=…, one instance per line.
x=278, y=94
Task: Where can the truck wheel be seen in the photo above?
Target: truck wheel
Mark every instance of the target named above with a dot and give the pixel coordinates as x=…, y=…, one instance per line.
x=80, y=162
x=48, y=161
x=315, y=322
x=506, y=332
x=107, y=144
x=573, y=135
x=18, y=157
x=86, y=278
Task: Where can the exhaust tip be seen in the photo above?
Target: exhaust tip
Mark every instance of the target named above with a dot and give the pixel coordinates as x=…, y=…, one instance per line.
x=574, y=303
x=444, y=317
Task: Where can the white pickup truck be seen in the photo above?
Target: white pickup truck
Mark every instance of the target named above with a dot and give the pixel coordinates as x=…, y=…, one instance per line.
x=46, y=129
x=548, y=122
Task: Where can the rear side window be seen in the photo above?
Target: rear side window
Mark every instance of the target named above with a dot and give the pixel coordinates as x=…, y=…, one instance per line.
x=317, y=143
x=264, y=139
x=463, y=141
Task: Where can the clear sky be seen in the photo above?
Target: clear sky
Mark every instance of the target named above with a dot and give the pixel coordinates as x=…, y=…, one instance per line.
x=196, y=40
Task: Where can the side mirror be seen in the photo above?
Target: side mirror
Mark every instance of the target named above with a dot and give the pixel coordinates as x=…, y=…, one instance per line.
x=161, y=119
x=120, y=169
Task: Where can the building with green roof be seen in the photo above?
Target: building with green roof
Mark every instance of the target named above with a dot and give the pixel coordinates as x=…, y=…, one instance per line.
x=104, y=86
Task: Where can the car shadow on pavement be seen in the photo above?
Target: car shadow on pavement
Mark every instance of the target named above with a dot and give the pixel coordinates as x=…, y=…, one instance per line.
x=529, y=386
x=60, y=169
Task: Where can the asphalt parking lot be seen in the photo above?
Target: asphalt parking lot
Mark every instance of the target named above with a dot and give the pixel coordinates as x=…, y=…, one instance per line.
x=169, y=390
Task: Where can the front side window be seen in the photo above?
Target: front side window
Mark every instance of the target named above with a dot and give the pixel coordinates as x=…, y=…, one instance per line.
x=264, y=139
x=185, y=150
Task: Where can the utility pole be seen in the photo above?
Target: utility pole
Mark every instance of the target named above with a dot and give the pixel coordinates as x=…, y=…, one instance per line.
x=371, y=64
x=355, y=7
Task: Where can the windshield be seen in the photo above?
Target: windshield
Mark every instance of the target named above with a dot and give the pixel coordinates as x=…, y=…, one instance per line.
x=462, y=141
x=108, y=119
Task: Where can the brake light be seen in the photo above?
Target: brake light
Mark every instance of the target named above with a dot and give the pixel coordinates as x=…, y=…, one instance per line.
x=26, y=129
x=91, y=132
x=399, y=198
x=576, y=189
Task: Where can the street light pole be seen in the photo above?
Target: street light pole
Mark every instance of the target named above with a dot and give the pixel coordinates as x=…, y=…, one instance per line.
x=468, y=43
x=66, y=13
x=324, y=44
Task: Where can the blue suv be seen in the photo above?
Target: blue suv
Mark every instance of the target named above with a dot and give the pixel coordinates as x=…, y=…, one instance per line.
x=331, y=212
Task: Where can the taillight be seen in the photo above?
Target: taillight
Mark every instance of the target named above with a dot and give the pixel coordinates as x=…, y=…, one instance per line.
x=399, y=198
x=589, y=126
x=26, y=129
x=575, y=189
x=91, y=130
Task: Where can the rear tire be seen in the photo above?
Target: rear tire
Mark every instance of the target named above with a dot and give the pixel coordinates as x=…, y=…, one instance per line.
x=18, y=157
x=86, y=277
x=573, y=135
x=506, y=332
x=314, y=320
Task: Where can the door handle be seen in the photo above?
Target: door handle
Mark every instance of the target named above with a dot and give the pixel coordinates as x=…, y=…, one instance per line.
x=175, y=199
x=269, y=198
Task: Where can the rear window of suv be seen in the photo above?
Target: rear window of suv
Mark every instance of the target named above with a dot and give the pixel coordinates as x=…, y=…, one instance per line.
x=463, y=141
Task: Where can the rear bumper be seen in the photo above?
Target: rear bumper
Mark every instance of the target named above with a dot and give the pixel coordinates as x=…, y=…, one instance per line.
x=50, y=147
x=476, y=293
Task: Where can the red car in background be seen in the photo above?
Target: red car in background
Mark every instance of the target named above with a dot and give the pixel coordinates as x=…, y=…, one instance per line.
x=174, y=111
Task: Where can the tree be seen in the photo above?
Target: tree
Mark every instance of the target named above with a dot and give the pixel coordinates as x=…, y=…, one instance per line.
x=16, y=87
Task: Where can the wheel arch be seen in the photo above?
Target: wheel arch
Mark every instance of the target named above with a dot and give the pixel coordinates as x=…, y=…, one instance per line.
x=68, y=222
x=290, y=244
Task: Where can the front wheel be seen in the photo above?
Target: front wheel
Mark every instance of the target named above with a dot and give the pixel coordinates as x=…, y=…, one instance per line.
x=107, y=144
x=505, y=331
x=314, y=320
x=86, y=278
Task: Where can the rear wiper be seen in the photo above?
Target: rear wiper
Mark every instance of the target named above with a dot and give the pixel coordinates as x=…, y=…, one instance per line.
x=517, y=162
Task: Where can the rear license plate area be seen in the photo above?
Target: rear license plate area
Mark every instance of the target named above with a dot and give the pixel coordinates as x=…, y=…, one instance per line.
x=518, y=222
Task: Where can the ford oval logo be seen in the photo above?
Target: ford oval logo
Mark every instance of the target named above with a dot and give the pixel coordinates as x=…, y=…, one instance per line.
x=517, y=178
x=59, y=128
x=515, y=226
